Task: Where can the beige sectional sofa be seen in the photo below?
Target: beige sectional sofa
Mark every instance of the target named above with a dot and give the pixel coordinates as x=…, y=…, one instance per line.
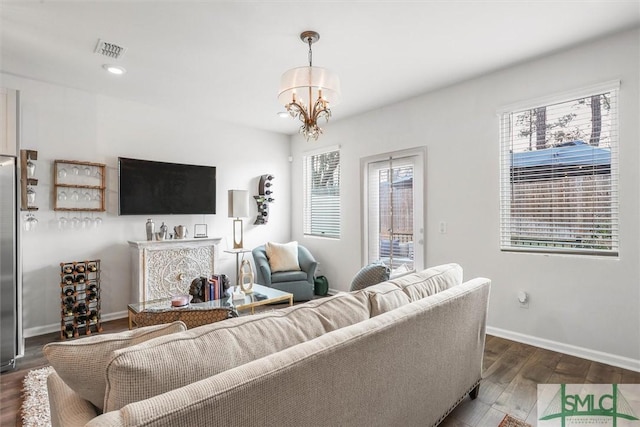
x=403, y=352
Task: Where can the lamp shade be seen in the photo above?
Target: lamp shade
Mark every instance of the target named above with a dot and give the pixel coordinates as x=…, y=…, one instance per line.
x=299, y=80
x=238, y=203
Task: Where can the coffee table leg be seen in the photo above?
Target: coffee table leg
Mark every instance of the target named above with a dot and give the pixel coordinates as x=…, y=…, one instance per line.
x=130, y=319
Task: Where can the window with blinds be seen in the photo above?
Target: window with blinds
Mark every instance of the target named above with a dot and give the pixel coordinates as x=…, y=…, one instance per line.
x=559, y=175
x=322, y=194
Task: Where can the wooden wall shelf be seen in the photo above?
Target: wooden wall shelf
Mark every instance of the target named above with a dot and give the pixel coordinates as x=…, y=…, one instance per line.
x=79, y=186
x=25, y=180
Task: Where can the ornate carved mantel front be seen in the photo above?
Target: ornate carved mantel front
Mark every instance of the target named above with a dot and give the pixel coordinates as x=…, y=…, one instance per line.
x=161, y=269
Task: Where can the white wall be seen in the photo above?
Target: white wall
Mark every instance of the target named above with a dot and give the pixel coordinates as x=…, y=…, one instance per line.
x=63, y=123
x=586, y=304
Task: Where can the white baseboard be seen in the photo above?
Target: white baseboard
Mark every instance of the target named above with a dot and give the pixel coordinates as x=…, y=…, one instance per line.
x=585, y=353
x=55, y=327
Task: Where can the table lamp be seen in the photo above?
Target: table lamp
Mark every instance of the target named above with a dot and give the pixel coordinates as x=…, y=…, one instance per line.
x=238, y=208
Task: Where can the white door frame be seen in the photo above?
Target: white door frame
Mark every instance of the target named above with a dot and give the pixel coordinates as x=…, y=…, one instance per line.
x=420, y=201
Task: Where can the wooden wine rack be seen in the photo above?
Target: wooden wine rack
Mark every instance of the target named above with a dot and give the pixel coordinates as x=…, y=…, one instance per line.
x=79, y=298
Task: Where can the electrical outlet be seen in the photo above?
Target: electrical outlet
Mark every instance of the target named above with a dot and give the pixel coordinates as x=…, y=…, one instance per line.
x=523, y=299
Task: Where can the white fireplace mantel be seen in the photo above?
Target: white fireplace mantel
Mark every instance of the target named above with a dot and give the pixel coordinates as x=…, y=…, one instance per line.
x=161, y=269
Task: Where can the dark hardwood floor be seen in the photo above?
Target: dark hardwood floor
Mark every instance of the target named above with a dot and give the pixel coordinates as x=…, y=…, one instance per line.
x=511, y=373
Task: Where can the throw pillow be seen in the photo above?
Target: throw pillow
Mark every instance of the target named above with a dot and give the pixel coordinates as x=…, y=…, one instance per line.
x=82, y=363
x=430, y=281
x=282, y=256
x=369, y=275
x=385, y=297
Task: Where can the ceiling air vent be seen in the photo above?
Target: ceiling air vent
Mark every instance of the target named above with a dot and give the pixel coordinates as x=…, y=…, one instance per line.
x=110, y=50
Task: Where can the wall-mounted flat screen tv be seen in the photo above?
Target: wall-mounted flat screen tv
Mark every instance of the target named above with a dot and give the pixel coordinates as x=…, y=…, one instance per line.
x=157, y=188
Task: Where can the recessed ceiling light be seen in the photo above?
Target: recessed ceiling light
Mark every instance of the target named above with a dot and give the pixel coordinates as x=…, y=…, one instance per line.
x=114, y=69
x=283, y=113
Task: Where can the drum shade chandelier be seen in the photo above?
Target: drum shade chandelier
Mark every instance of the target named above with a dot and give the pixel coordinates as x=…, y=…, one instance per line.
x=307, y=92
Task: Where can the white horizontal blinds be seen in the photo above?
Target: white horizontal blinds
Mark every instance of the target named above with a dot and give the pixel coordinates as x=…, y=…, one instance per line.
x=322, y=194
x=559, y=176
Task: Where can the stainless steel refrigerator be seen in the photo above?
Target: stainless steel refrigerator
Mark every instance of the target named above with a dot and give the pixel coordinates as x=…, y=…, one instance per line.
x=8, y=263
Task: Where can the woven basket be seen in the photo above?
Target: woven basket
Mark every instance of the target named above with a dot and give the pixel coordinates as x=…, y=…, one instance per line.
x=191, y=318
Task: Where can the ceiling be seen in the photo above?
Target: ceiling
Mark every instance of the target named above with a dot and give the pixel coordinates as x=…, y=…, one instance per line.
x=223, y=59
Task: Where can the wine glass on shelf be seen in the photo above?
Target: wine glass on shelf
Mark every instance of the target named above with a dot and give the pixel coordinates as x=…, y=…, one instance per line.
x=31, y=196
x=74, y=223
x=31, y=167
x=30, y=222
x=86, y=222
x=63, y=223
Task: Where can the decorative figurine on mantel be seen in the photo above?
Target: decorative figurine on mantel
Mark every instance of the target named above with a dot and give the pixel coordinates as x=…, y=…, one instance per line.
x=150, y=228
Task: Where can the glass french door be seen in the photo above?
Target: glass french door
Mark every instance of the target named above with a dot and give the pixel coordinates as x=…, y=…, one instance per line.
x=394, y=216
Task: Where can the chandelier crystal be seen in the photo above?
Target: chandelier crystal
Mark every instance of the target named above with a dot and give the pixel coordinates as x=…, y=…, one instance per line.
x=307, y=92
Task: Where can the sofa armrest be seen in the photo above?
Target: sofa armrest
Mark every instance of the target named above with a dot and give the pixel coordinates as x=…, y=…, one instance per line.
x=67, y=408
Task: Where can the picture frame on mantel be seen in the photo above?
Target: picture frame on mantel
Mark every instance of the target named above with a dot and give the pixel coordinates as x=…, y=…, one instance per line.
x=200, y=231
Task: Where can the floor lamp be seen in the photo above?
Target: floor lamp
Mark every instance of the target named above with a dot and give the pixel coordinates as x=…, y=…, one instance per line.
x=238, y=208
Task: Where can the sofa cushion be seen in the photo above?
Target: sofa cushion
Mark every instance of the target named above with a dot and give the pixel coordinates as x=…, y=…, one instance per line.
x=81, y=363
x=385, y=297
x=430, y=281
x=368, y=275
x=166, y=363
x=282, y=256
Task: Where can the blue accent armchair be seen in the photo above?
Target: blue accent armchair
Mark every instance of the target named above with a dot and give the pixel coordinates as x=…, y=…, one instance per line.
x=299, y=283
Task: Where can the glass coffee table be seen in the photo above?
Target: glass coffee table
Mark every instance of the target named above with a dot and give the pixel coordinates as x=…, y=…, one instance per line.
x=262, y=295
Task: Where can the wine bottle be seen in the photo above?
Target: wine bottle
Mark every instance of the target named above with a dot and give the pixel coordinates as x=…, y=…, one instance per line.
x=271, y=200
x=80, y=278
x=267, y=184
x=68, y=310
x=68, y=331
x=80, y=268
x=94, y=316
x=81, y=308
x=91, y=296
x=92, y=268
x=82, y=318
x=267, y=192
x=67, y=269
x=69, y=292
x=69, y=301
x=93, y=287
x=270, y=177
x=68, y=280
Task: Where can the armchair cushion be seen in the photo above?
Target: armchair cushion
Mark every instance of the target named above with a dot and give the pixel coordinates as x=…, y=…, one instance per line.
x=282, y=256
x=289, y=276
